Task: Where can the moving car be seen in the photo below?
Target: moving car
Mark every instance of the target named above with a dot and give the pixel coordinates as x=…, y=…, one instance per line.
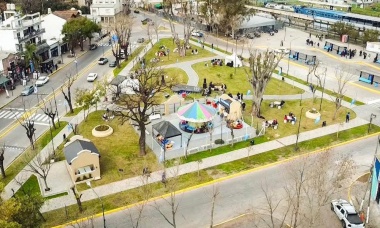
x=136, y=11
x=91, y=77
x=146, y=21
x=250, y=36
x=112, y=64
x=27, y=91
x=282, y=51
x=140, y=40
x=42, y=80
x=93, y=46
x=346, y=214
x=102, y=61
x=197, y=34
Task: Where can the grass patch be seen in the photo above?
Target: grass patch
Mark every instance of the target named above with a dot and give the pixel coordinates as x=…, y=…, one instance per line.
x=209, y=45
x=173, y=57
x=289, y=151
x=19, y=163
x=57, y=217
x=286, y=129
x=239, y=82
x=30, y=187
x=76, y=111
x=176, y=74
x=119, y=151
x=125, y=62
x=57, y=195
x=328, y=92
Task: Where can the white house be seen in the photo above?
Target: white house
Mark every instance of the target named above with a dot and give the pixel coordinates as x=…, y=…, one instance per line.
x=106, y=9
x=53, y=25
x=16, y=31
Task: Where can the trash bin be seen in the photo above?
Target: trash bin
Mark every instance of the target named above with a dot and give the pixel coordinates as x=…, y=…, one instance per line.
x=252, y=142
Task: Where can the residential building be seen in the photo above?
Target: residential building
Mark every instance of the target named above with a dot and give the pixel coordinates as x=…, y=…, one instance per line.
x=82, y=158
x=17, y=31
x=53, y=25
x=7, y=60
x=106, y=9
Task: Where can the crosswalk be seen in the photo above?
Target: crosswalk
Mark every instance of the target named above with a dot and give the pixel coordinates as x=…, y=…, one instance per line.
x=104, y=44
x=7, y=114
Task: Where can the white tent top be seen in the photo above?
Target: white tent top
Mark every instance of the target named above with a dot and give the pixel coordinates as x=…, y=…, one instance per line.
x=129, y=85
x=234, y=58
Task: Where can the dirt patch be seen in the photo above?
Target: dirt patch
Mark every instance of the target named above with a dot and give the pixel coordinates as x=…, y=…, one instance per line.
x=364, y=178
x=102, y=128
x=215, y=174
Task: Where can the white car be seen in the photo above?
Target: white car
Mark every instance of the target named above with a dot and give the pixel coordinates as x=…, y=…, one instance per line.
x=91, y=77
x=197, y=34
x=346, y=214
x=282, y=51
x=42, y=80
x=102, y=61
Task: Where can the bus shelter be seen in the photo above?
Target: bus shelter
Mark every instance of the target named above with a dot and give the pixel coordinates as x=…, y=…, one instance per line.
x=302, y=57
x=369, y=77
x=334, y=46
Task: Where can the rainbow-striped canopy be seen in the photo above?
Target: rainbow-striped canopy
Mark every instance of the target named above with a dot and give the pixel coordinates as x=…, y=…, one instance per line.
x=196, y=112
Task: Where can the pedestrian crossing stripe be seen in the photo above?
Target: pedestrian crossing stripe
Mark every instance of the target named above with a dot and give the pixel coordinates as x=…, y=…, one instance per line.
x=105, y=45
x=16, y=115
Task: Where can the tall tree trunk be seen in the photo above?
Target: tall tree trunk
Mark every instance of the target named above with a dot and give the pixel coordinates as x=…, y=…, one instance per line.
x=2, y=169
x=52, y=121
x=46, y=185
x=70, y=105
x=31, y=141
x=142, y=139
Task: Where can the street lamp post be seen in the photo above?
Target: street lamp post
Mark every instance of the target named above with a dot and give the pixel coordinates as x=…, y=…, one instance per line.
x=235, y=54
x=298, y=131
x=290, y=51
x=76, y=65
x=51, y=135
x=100, y=199
x=56, y=107
x=323, y=90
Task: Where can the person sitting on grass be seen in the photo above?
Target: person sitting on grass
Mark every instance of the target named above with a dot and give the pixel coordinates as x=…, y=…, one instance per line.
x=105, y=117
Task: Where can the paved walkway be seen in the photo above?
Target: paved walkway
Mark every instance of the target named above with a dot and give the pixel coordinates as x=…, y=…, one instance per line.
x=134, y=182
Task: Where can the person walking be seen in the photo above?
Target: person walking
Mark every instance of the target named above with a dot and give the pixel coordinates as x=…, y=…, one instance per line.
x=348, y=117
x=212, y=46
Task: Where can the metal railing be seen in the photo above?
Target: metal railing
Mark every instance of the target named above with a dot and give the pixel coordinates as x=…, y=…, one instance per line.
x=31, y=35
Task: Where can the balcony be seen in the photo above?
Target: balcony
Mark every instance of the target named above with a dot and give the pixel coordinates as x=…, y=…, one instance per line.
x=30, y=35
x=84, y=174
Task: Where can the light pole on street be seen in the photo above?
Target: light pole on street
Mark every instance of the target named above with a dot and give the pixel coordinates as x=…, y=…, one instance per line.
x=235, y=65
x=298, y=131
x=76, y=65
x=290, y=52
x=323, y=89
x=100, y=199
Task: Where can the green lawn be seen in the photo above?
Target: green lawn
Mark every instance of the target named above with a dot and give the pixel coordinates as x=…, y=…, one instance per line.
x=19, y=163
x=31, y=187
x=173, y=57
x=328, y=92
x=239, y=82
x=285, y=129
x=76, y=111
x=177, y=74
x=118, y=151
x=215, y=48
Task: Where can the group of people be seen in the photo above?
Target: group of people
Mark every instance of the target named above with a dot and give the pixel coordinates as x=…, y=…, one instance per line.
x=350, y=53
x=311, y=43
x=364, y=54
x=165, y=143
x=290, y=118
x=194, y=52
x=271, y=123
x=108, y=115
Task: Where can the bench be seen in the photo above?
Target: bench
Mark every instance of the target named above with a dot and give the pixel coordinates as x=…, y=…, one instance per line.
x=365, y=80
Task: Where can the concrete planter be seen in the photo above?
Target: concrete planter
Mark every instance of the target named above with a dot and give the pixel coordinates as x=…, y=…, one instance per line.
x=102, y=131
x=313, y=114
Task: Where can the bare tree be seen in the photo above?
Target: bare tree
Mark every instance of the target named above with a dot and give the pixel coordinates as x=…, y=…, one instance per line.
x=49, y=111
x=2, y=152
x=187, y=15
x=230, y=125
x=77, y=198
x=342, y=77
x=121, y=33
x=262, y=66
x=171, y=200
x=138, y=104
x=67, y=95
x=156, y=25
x=214, y=195
x=312, y=182
x=28, y=124
x=39, y=165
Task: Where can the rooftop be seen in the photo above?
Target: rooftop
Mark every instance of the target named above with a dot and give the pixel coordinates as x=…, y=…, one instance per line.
x=71, y=151
x=67, y=14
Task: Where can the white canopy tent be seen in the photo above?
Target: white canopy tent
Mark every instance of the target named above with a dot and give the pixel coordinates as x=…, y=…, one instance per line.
x=235, y=59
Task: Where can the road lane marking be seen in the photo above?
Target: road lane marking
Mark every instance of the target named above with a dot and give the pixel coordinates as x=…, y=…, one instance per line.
x=40, y=123
x=3, y=113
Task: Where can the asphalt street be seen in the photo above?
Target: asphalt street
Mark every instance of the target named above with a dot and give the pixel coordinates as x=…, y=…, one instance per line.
x=238, y=195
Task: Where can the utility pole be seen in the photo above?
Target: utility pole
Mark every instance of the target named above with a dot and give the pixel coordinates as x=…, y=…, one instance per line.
x=323, y=90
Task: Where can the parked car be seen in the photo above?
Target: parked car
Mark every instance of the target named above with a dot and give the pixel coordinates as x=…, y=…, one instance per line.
x=112, y=64
x=42, y=80
x=136, y=11
x=146, y=21
x=197, y=34
x=91, y=77
x=93, y=46
x=250, y=36
x=346, y=214
x=140, y=40
x=27, y=91
x=257, y=34
x=102, y=61
x=282, y=51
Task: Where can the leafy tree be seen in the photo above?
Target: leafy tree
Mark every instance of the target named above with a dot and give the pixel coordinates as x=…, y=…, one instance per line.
x=85, y=9
x=370, y=35
x=262, y=66
x=21, y=211
x=231, y=14
x=342, y=28
x=30, y=55
x=77, y=29
x=138, y=105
